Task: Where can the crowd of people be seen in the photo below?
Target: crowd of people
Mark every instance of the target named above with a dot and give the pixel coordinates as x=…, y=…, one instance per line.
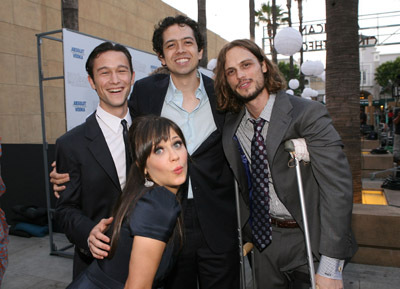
x=154, y=207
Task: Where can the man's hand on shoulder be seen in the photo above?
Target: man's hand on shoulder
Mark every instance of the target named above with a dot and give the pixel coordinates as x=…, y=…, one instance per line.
x=97, y=241
x=57, y=180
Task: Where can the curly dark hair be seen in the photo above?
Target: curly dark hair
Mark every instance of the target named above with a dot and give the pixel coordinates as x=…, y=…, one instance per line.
x=226, y=98
x=181, y=20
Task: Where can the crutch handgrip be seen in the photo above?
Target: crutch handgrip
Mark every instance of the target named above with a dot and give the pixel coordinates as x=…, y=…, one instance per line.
x=247, y=248
x=297, y=147
x=289, y=146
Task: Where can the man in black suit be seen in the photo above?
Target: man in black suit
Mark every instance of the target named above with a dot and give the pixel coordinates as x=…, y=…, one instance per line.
x=93, y=153
x=210, y=253
x=209, y=257
x=260, y=119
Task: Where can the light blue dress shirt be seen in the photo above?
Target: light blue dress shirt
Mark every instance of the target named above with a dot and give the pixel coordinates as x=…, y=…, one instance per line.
x=197, y=125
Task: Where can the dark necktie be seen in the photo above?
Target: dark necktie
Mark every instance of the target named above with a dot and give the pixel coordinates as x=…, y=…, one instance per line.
x=126, y=142
x=261, y=221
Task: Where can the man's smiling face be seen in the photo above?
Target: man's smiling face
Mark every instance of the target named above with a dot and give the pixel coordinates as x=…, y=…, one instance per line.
x=181, y=53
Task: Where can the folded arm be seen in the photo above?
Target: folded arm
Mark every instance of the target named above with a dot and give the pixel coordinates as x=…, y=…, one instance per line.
x=332, y=172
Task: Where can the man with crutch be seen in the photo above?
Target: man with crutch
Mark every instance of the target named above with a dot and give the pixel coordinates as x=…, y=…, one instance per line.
x=261, y=118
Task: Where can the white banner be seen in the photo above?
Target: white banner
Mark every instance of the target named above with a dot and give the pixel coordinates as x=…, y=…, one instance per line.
x=80, y=99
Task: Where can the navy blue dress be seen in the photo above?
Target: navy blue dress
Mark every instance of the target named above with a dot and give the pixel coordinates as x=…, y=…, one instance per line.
x=154, y=217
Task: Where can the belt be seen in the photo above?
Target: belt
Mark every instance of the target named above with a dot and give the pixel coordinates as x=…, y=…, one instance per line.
x=282, y=223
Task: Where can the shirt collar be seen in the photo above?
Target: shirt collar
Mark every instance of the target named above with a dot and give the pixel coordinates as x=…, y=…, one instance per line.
x=266, y=112
x=174, y=93
x=112, y=121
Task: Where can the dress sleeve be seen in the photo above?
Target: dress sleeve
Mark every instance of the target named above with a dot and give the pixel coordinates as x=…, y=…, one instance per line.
x=332, y=172
x=155, y=215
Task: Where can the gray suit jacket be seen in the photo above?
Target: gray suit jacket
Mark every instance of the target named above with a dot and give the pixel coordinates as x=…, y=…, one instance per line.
x=326, y=179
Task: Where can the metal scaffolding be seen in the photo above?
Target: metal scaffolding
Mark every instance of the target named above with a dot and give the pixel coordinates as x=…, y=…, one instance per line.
x=50, y=211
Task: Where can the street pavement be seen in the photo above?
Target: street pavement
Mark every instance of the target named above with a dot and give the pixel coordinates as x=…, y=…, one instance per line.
x=31, y=266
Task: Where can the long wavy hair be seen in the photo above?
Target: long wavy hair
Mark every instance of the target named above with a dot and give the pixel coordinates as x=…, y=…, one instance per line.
x=226, y=97
x=145, y=133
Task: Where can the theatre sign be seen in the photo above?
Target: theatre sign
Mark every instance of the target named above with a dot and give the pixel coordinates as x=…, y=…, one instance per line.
x=320, y=44
x=314, y=38
x=313, y=30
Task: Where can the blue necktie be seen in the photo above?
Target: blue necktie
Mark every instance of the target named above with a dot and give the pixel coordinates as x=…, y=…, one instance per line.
x=261, y=222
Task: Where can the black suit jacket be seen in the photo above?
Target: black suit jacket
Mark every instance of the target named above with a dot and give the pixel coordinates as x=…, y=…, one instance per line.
x=326, y=179
x=93, y=187
x=212, y=180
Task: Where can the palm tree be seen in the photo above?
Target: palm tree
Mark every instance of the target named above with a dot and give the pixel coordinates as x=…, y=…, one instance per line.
x=274, y=26
x=70, y=10
x=202, y=20
x=252, y=20
x=272, y=15
x=264, y=14
x=289, y=12
x=300, y=9
x=343, y=80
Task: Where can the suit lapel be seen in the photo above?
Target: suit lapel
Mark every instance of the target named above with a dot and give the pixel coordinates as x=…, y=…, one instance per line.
x=232, y=152
x=99, y=149
x=219, y=117
x=278, y=125
x=160, y=92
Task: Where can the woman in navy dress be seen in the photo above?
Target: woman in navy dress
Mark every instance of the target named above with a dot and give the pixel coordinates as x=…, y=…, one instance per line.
x=147, y=213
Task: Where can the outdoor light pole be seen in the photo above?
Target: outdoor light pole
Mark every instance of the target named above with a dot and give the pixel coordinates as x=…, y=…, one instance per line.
x=396, y=89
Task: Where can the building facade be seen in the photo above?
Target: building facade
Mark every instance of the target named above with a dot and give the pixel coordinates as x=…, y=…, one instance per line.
x=129, y=22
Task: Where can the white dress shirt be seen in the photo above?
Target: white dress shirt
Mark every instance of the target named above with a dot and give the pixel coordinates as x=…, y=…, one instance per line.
x=112, y=128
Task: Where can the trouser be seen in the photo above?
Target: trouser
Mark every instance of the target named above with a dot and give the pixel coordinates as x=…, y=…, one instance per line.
x=197, y=265
x=396, y=148
x=283, y=264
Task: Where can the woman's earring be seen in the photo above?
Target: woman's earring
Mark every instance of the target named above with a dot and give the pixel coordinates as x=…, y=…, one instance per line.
x=148, y=183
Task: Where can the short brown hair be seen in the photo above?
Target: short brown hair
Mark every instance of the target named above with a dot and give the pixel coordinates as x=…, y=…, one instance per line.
x=226, y=99
x=104, y=47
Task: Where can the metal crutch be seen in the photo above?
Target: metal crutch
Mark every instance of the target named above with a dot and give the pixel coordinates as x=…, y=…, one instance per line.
x=290, y=147
x=243, y=249
x=248, y=248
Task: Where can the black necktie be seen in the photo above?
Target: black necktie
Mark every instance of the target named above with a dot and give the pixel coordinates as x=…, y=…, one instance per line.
x=126, y=142
x=261, y=221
